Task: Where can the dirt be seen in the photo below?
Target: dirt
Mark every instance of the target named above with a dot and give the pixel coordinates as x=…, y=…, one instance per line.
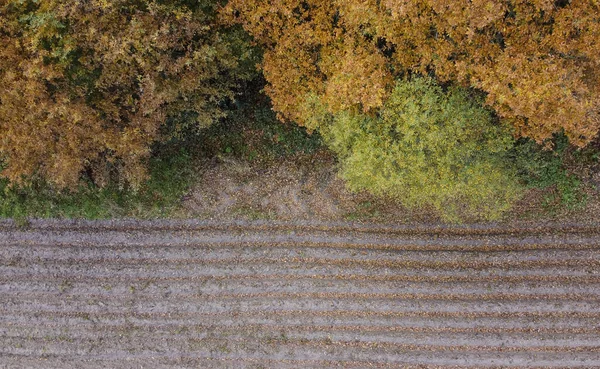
x=298, y=294
x=282, y=267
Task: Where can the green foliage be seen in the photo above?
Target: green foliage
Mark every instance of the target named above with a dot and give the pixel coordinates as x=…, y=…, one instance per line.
x=427, y=147
x=171, y=175
x=253, y=132
x=547, y=169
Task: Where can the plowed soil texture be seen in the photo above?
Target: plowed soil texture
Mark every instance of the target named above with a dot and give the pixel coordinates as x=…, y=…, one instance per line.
x=202, y=294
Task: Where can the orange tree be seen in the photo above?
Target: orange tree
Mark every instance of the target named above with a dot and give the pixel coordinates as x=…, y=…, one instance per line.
x=538, y=61
x=87, y=85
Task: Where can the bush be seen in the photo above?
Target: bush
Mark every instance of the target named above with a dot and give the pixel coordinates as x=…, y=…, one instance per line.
x=547, y=169
x=85, y=86
x=427, y=147
x=171, y=173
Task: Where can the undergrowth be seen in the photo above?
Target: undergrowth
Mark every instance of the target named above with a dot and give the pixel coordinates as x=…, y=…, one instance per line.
x=171, y=175
x=252, y=132
x=555, y=171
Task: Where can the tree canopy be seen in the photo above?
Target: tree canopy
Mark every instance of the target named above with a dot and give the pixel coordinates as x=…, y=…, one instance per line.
x=538, y=61
x=86, y=85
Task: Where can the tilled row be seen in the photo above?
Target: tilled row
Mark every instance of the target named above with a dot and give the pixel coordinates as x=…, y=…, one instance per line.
x=435, y=288
x=275, y=345
x=108, y=294
x=20, y=325
x=242, y=362
x=166, y=226
x=293, y=238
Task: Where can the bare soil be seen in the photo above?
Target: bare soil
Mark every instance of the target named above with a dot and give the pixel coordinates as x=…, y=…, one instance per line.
x=303, y=294
x=288, y=269
x=299, y=188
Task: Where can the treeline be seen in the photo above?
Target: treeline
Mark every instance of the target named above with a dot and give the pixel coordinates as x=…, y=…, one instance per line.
x=429, y=102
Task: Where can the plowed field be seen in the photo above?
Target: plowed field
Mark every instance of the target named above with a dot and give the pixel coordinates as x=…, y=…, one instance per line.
x=190, y=294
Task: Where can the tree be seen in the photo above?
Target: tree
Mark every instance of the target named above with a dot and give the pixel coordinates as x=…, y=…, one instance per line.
x=537, y=61
x=427, y=148
x=87, y=85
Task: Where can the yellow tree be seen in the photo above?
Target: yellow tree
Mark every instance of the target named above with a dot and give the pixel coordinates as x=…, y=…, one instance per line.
x=537, y=61
x=86, y=85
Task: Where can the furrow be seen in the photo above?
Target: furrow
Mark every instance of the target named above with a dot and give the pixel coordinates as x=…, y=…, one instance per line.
x=302, y=261
x=299, y=348
x=422, y=341
x=67, y=288
x=551, y=278
x=126, y=225
x=465, y=322
x=275, y=343
x=131, y=305
x=334, y=296
x=89, y=329
x=287, y=290
x=198, y=360
x=185, y=239
x=10, y=255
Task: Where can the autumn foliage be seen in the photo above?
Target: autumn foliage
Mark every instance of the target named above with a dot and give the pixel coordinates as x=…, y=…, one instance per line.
x=537, y=61
x=87, y=85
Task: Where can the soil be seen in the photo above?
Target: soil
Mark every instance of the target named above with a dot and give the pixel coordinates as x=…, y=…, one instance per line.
x=289, y=270
x=302, y=294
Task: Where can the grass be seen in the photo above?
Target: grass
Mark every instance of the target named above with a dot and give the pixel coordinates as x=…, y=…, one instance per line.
x=250, y=213
x=365, y=210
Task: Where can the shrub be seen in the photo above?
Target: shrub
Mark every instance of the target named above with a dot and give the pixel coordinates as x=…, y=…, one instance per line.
x=171, y=173
x=85, y=86
x=547, y=168
x=427, y=147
